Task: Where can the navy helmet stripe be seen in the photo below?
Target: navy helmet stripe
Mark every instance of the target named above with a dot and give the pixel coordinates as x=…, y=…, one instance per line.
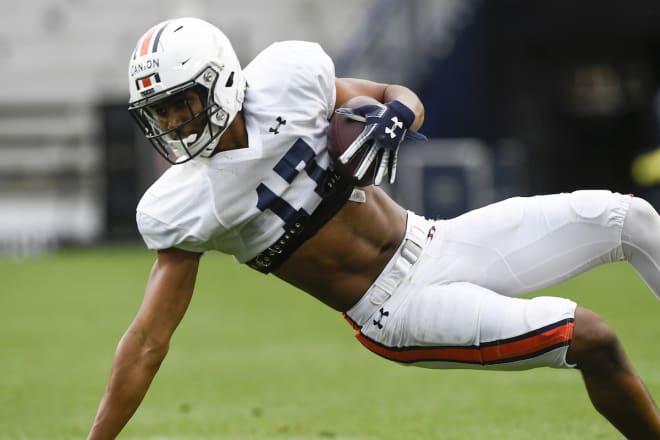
x=157, y=39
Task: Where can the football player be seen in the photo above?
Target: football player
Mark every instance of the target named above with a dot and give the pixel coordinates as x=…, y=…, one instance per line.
x=252, y=177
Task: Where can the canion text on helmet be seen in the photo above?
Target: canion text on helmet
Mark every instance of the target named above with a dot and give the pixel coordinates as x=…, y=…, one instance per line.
x=151, y=63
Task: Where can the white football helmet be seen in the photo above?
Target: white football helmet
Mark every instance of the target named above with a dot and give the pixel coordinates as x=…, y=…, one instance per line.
x=170, y=60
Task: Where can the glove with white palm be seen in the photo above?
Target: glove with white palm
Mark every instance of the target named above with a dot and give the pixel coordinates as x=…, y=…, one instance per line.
x=385, y=127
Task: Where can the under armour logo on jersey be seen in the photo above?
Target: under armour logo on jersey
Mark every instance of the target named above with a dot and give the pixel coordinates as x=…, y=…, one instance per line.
x=392, y=130
x=383, y=314
x=276, y=129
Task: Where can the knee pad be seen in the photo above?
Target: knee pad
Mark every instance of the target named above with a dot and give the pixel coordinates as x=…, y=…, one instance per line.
x=641, y=228
x=640, y=242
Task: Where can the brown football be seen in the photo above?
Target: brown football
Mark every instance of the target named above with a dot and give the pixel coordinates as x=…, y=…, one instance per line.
x=342, y=132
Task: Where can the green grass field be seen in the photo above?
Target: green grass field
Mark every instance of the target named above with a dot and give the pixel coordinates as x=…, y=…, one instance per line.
x=256, y=359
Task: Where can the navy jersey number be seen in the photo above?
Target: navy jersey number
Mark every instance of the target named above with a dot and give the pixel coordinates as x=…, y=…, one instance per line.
x=299, y=157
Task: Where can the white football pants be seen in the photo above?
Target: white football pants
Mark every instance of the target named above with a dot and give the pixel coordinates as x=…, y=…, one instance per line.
x=447, y=299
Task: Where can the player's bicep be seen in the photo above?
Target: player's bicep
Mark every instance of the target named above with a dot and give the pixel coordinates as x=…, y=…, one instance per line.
x=167, y=295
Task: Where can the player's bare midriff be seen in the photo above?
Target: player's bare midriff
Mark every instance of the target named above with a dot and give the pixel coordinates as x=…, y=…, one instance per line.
x=339, y=263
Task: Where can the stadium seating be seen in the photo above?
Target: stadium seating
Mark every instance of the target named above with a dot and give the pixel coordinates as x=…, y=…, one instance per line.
x=62, y=60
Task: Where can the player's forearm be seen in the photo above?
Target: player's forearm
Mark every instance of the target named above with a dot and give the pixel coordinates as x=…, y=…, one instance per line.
x=408, y=98
x=133, y=369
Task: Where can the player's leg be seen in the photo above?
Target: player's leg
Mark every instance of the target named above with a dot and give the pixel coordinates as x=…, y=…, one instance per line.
x=613, y=386
x=529, y=243
x=524, y=244
x=461, y=325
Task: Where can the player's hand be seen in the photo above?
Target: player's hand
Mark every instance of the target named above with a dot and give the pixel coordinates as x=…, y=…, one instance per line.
x=386, y=125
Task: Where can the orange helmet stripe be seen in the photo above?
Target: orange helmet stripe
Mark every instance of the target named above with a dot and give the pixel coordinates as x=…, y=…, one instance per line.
x=144, y=47
x=147, y=39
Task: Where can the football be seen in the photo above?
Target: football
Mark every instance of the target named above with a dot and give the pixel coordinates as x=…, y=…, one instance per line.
x=342, y=132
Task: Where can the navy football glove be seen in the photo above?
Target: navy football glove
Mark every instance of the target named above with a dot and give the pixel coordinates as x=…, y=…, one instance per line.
x=385, y=127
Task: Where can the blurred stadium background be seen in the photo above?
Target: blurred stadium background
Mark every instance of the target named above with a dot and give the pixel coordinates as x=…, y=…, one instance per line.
x=522, y=97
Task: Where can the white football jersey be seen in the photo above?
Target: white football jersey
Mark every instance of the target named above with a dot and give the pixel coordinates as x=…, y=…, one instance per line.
x=239, y=201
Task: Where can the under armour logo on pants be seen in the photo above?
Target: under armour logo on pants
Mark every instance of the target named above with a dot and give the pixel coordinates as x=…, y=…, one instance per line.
x=383, y=314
